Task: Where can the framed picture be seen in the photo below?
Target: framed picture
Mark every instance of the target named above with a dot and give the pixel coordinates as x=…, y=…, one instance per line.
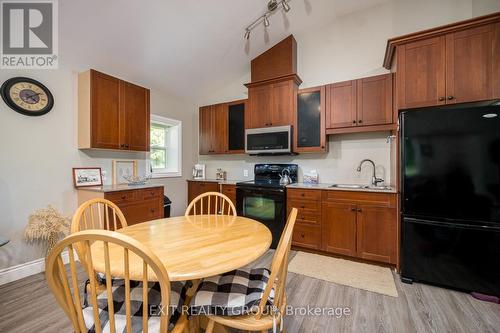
x=83, y=177
x=123, y=169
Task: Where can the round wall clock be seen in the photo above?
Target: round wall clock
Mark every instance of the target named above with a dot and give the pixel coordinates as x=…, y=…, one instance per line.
x=27, y=96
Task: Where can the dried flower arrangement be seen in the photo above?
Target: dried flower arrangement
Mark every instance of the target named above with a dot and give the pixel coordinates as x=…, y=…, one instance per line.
x=47, y=226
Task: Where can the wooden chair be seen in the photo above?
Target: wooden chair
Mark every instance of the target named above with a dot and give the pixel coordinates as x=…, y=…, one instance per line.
x=70, y=297
x=211, y=203
x=98, y=214
x=263, y=321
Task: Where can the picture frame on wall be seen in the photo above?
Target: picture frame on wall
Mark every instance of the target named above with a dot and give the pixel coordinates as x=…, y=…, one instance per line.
x=85, y=177
x=123, y=169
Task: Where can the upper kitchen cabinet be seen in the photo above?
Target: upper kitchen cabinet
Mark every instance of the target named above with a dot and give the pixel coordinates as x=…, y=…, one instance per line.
x=451, y=64
x=272, y=103
x=341, y=109
x=213, y=129
x=311, y=120
x=112, y=113
x=272, y=94
x=236, y=126
x=360, y=105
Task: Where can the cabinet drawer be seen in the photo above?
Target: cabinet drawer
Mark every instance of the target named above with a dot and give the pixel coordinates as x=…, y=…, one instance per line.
x=142, y=212
x=304, y=194
x=122, y=196
x=307, y=236
x=383, y=199
x=305, y=206
x=151, y=193
x=308, y=219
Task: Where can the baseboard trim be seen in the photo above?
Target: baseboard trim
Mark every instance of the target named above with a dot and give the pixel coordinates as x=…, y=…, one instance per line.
x=17, y=272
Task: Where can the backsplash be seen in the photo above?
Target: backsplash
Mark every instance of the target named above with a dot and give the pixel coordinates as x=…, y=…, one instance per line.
x=337, y=166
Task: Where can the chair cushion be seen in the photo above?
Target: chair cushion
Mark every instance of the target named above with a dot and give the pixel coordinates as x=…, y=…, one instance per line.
x=177, y=299
x=231, y=294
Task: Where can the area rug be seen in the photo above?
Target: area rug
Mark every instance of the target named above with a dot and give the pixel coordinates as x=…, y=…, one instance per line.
x=348, y=273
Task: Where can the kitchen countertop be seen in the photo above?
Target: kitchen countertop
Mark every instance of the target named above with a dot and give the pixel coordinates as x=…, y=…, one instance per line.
x=221, y=182
x=326, y=186
x=120, y=187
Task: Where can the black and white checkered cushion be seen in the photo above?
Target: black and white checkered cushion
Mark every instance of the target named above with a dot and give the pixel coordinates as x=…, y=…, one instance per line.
x=231, y=294
x=177, y=299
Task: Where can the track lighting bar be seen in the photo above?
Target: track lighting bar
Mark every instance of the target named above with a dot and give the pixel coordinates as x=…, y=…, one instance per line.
x=271, y=9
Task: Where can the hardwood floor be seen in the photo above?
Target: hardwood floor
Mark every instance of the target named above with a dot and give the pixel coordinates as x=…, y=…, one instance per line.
x=27, y=306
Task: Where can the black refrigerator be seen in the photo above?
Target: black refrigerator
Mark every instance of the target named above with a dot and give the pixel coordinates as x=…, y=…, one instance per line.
x=450, y=193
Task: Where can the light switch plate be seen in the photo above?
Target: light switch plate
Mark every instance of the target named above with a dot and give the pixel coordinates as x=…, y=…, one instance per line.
x=245, y=173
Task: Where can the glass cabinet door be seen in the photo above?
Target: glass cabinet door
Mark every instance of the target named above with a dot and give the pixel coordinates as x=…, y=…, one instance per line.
x=236, y=132
x=310, y=135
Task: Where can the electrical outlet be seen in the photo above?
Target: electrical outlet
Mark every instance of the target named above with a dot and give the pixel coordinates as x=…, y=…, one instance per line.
x=245, y=173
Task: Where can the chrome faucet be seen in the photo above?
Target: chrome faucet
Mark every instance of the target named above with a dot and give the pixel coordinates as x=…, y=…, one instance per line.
x=375, y=180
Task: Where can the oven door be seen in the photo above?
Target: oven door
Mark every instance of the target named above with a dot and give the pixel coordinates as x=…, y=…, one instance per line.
x=266, y=205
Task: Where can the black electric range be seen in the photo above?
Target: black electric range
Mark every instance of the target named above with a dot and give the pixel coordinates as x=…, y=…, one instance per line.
x=264, y=199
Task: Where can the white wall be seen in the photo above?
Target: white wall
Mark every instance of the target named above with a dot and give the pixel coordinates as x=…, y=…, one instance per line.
x=37, y=154
x=349, y=47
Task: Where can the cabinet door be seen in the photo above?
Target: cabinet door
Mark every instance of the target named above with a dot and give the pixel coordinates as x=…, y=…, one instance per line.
x=310, y=131
x=339, y=228
x=469, y=65
x=219, y=129
x=376, y=233
x=105, y=96
x=260, y=105
x=236, y=127
x=205, y=126
x=195, y=188
x=134, y=125
x=341, y=105
x=420, y=74
x=374, y=105
x=283, y=110
x=230, y=192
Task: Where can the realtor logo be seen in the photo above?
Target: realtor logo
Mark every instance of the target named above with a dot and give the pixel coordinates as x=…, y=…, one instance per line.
x=29, y=34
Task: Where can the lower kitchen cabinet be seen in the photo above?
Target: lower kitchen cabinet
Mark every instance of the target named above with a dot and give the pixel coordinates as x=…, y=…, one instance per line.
x=339, y=228
x=196, y=187
x=137, y=205
x=348, y=223
x=376, y=233
x=230, y=191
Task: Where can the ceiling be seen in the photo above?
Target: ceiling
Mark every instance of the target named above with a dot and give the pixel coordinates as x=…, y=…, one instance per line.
x=188, y=48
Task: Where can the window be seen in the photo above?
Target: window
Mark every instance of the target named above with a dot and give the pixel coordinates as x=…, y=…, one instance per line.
x=165, y=154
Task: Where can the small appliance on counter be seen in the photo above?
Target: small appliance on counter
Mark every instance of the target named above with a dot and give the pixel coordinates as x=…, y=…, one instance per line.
x=220, y=174
x=199, y=172
x=264, y=198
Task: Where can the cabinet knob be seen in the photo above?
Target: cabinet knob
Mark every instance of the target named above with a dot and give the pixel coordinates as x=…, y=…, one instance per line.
x=354, y=121
x=360, y=121
x=302, y=235
x=441, y=99
x=122, y=146
x=123, y=197
x=359, y=210
x=353, y=209
x=152, y=210
x=450, y=98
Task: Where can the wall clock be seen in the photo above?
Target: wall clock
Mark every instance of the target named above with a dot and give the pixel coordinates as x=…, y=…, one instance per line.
x=27, y=96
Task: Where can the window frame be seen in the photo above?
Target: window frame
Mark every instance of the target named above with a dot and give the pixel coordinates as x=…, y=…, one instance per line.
x=163, y=173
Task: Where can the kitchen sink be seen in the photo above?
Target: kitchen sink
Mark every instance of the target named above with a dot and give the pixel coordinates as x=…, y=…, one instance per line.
x=357, y=186
x=353, y=186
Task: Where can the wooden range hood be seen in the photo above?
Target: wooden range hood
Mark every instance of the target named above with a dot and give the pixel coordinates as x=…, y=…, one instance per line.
x=272, y=94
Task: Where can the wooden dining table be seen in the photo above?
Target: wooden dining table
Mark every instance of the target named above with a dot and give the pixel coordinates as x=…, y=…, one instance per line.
x=190, y=247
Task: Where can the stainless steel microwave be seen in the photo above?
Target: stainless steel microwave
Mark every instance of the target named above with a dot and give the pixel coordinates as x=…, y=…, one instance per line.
x=268, y=140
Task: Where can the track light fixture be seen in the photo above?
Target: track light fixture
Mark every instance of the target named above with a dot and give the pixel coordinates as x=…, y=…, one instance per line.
x=266, y=21
x=271, y=9
x=286, y=6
